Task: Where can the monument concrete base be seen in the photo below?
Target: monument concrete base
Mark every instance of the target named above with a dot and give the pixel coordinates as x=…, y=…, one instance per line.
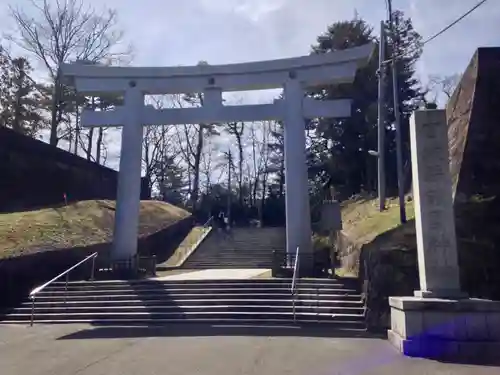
x=446, y=329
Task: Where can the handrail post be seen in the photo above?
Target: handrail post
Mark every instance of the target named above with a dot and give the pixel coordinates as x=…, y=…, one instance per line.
x=32, y=311
x=317, y=300
x=294, y=282
x=92, y=270
x=66, y=289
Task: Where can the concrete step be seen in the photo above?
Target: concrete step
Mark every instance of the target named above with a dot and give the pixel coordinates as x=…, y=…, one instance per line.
x=232, y=252
x=198, y=290
x=179, y=296
x=173, y=307
x=322, y=289
x=215, y=266
x=247, y=245
x=268, y=281
x=243, y=247
x=354, y=326
x=231, y=263
x=216, y=315
x=235, y=256
x=231, y=257
x=357, y=304
x=186, y=285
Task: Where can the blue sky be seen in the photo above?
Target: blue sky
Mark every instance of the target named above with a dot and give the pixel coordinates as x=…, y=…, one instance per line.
x=176, y=32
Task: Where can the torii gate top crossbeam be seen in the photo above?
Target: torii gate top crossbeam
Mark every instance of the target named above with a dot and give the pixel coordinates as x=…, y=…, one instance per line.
x=312, y=70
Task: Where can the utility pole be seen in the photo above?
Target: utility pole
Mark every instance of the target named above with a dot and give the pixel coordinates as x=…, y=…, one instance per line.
x=381, y=119
x=397, y=117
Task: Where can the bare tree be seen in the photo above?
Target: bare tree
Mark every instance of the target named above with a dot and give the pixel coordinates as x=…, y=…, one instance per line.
x=62, y=31
x=206, y=167
x=158, y=147
x=237, y=130
x=259, y=134
x=192, y=139
x=444, y=84
x=195, y=150
x=254, y=169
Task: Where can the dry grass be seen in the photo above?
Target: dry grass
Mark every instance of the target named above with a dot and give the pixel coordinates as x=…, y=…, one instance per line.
x=185, y=246
x=362, y=223
x=347, y=274
x=77, y=224
x=362, y=220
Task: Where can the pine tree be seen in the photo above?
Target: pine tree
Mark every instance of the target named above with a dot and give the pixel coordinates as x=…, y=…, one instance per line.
x=171, y=182
x=408, y=46
x=339, y=151
x=21, y=99
x=277, y=160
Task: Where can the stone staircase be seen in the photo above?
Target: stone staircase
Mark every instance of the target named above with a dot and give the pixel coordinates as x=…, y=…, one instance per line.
x=242, y=248
x=224, y=301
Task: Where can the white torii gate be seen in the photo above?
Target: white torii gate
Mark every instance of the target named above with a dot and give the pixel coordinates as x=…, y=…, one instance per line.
x=293, y=74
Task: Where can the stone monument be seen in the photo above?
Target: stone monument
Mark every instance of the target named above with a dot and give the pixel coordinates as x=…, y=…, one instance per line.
x=439, y=321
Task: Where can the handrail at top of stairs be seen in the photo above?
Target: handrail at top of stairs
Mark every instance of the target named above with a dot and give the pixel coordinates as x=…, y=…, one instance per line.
x=38, y=289
x=294, y=281
x=208, y=222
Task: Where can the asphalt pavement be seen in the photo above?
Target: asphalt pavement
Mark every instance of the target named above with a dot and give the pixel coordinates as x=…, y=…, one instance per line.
x=209, y=350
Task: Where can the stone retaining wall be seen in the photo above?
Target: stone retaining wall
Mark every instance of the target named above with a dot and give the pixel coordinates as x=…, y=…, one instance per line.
x=386, y=267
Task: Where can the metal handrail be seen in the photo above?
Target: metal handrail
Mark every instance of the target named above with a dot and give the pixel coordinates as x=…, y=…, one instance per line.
x=38, y=289
x=208, y=221
x=293, y=289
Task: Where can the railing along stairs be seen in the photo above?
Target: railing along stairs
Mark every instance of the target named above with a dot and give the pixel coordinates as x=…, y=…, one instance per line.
x=34, y=292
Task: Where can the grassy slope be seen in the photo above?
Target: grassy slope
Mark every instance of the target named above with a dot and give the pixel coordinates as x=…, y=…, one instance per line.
x=78, y=224
x=363, y=222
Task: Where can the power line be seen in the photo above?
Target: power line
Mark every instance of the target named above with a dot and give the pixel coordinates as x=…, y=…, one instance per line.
x=442, y=31
x=454, y=22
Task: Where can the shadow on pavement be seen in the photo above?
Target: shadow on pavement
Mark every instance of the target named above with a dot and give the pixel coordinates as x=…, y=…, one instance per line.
x=198, y=330
x=204, y=330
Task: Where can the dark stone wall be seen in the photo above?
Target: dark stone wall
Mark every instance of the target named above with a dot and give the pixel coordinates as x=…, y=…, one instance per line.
x=386, y=266
x=474, y=143
x=35, y=174
x=474, y=127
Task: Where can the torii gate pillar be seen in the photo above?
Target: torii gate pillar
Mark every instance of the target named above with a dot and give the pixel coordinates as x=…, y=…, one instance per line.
x=128, y=197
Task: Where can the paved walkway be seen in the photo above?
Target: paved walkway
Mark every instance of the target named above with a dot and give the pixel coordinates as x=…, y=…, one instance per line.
x=215, y=274
x=186, y=349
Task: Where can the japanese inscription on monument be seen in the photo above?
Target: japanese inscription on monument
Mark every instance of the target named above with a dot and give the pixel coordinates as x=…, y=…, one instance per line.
x=432, y=188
